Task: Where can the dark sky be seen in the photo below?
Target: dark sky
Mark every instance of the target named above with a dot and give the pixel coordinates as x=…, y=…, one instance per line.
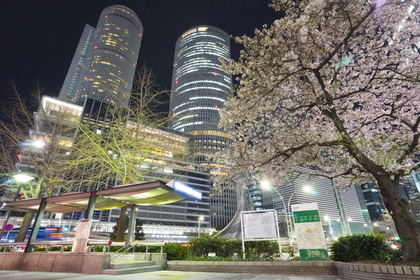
x=38, y=38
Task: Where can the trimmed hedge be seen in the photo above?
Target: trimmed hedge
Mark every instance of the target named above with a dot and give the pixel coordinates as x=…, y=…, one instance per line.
x=363, y=247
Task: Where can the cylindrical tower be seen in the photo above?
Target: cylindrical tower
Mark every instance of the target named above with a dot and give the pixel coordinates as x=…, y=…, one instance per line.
x=112, y=58
x=200, y=88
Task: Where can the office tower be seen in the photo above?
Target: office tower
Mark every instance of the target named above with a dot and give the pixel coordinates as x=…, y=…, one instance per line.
x=111, y=61
x=200, y=88
x=340, y=209
x=373, y=200
x=68, y=91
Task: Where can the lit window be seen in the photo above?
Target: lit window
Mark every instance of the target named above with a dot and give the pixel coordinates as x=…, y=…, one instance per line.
x=98, y=131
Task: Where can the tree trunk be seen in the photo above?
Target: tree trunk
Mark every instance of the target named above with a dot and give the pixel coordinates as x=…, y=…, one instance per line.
x=121, y=224
x=26, y=223
x=407, y=227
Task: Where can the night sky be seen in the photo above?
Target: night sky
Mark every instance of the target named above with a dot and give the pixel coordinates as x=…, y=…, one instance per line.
x=38, y=38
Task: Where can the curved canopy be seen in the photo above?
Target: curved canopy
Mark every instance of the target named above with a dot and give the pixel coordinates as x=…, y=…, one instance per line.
x=151, y=193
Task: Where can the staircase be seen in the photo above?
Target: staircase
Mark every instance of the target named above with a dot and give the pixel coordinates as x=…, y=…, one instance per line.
x=130, y=267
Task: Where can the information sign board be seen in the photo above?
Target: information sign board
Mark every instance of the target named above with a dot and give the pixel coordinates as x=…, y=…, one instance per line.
x=309, y=232
x=259, y=225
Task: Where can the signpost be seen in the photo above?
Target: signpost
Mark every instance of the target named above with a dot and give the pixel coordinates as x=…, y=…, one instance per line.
x=309, y=232
x=258, y=226
x=7, y=228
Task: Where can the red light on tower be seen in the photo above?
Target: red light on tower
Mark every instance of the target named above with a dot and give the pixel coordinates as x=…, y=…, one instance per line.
x=140, y=35
x=96, y=47
x=19, y=156
x=86, y=78
x=215, y=73
x=134, y=65
x=176, y=82
x=173, y=113
x=179, y=55
x=106, y=16
x=215, y=106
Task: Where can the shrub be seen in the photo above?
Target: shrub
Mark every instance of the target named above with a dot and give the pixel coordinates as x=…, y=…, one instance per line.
x=225, y=248
x=358, y=247
x=176, y=251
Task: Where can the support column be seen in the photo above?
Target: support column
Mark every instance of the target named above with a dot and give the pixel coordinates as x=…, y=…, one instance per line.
x=91, y=206
x=132, y=224
x=37, y=223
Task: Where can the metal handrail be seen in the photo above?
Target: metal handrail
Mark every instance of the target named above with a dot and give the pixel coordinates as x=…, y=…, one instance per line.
x=48, y=244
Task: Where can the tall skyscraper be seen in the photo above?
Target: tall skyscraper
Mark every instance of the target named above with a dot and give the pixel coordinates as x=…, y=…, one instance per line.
x=200, y=88
x=68, y=91
x=111, y=60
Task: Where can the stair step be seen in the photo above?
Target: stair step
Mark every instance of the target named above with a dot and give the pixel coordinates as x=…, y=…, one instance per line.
x=130, y=264
x=131, y=270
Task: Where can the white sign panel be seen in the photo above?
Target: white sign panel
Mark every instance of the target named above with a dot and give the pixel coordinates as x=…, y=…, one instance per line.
x=259, y=225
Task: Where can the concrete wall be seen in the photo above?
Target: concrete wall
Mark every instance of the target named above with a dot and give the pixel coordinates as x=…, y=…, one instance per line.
x=55, y=262
x=353, y=271
x=292, y=268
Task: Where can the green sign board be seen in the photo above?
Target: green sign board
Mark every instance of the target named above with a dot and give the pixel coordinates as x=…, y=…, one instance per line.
x=313, y=255
x=307, y=216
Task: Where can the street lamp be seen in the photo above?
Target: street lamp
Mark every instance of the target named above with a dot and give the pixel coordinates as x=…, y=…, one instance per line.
x=200, y=219
x=266, y=185
x=20, y=178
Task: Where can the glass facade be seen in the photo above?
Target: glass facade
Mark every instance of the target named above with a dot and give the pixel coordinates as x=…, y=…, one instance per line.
x=68, y=91
x=112, y=58
x=200, y=88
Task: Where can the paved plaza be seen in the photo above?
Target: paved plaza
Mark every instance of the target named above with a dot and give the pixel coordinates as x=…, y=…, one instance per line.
x=157, y=275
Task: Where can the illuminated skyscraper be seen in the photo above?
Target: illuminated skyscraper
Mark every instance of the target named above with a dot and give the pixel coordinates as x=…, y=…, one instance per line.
x=111, y=60
x=68, y=91
x=200, y=88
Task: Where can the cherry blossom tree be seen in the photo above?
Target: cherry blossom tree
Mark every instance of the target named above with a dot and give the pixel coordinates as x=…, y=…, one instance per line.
x=331, y=89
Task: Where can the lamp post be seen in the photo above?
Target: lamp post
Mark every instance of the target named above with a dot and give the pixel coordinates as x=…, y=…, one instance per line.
x=200, y=219
x=266, y=185
x=20, y=178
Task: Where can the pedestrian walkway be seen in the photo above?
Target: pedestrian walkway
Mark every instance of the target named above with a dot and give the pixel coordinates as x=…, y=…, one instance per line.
x=156, y=275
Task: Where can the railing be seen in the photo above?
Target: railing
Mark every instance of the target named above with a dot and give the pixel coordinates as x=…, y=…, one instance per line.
x=91, y=245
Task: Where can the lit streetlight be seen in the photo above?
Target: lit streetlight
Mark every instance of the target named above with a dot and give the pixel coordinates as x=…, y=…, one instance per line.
x=39, y=144
x=21, y=178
